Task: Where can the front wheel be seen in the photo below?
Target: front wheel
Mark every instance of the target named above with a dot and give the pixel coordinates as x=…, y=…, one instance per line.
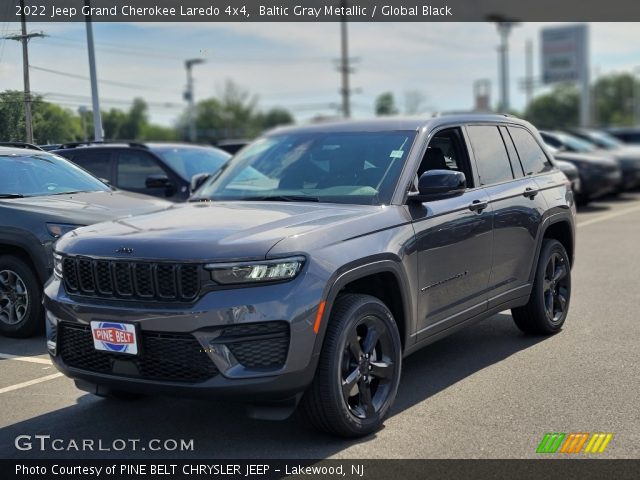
x=359, y=369
x=548, y=304
x=20, y=298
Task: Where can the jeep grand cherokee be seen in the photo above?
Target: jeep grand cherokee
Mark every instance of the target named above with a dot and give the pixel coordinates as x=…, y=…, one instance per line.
x=319, y=257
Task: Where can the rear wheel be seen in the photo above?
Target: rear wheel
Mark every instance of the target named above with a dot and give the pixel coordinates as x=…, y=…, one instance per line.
x=20, y=298
x=549, y=301
x=359, y=369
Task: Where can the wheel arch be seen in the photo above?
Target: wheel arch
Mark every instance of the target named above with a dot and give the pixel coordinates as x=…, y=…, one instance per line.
x=28, y=249
x=559, y=227
x=383, y=279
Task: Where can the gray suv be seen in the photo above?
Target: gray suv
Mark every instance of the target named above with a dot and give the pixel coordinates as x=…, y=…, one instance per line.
x=304, y=271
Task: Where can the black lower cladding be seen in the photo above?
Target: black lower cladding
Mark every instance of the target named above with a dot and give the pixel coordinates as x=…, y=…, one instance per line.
x=163, y=356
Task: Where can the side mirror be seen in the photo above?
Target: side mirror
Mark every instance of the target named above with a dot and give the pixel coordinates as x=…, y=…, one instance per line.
x=157, y=181
x=439, y=184
x=198, y=180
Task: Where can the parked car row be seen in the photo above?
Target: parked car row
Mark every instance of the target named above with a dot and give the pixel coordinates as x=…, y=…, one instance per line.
x=165, y=170
x=605, y=165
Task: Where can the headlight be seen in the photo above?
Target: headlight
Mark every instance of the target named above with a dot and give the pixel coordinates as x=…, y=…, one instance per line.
x=252, y=272
x=57, y=265
x=58, y=229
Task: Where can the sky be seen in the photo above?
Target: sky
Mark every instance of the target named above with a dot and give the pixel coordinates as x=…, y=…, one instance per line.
x=289, y=65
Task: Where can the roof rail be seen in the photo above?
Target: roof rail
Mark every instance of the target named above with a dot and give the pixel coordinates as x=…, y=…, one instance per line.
x=102, y=142
x=28, y=146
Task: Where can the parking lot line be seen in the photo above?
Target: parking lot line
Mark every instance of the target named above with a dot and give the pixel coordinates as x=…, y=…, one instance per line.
x=608, y=216
x=8, y=356
x=17, y=386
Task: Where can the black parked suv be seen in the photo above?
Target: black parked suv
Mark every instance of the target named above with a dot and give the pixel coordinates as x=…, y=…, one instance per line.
x=43, y=196
x=314, y=262
x=166, y=170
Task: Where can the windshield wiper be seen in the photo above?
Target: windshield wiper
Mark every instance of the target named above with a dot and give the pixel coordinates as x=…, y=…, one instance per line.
x=11, y=195
x=70, y=193
x=282, y=198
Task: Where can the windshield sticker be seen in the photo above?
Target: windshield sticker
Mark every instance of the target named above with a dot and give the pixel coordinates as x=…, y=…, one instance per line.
x=397, y=154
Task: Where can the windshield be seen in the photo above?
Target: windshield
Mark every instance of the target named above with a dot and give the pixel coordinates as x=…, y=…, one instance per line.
x=190, y=161
x=604, y=140
x=346, y=167
x=574, y=143
x=34, y=174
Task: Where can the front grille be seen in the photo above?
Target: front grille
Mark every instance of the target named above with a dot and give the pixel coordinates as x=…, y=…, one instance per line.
x=134, y=280
x=163, y=356
x=258, y=345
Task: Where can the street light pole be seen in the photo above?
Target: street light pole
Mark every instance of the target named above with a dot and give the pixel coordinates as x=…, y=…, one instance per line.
x=188, y=95
x=504, y=29
x=95, y=99
x=636, y=96
x=344, y=64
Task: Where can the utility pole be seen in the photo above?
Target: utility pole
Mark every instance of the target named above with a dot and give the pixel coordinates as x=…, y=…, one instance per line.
x=188, y=96
x=95, y=98
x=24, y=38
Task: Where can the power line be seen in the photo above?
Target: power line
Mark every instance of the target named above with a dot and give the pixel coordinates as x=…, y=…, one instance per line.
x=106, y=82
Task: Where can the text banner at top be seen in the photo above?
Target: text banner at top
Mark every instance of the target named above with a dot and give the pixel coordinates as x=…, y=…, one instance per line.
x=320, y=10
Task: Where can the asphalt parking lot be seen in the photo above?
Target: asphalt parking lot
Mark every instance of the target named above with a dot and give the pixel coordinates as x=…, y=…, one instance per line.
x=486, y=392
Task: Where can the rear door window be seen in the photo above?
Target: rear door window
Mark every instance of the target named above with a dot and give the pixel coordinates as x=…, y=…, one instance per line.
x=490, y=153
x=532, y=157
x=98, y=162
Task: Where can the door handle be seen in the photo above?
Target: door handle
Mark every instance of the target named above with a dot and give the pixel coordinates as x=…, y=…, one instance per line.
x=478, y=205
x=530, y=192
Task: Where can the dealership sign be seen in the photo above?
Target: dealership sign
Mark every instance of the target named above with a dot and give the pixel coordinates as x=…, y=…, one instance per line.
x=564, y=53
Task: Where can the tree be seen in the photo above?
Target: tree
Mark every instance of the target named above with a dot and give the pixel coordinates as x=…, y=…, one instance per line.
x=51, y=123
x=273, y=118
x=415, y=102
x=233, y=114
x=136, y=121
x=556, y=109
x=613, y=96
x=385, y=104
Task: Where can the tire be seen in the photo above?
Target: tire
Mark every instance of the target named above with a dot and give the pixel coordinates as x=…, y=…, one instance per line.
x=360, y=327
x=582, y=200
x=20, y=298
x=548, y=304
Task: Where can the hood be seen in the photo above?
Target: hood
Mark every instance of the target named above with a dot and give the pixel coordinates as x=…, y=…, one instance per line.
x=628, y=157
x=218, y=231
x=88, y=207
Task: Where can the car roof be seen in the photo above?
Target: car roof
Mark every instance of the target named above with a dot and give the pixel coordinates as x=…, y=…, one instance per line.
x=127, y=145
x=400, y=123
x=22, y=152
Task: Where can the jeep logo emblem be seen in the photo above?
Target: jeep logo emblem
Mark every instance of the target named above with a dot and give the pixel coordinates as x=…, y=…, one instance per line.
x=127, y=250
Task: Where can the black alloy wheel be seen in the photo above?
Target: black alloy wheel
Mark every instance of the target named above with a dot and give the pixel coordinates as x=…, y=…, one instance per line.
x=358, y=373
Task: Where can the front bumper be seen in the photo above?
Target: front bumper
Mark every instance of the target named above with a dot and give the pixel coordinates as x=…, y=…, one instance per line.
x=598, y=184
x=630, y=178
x=190, y=350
